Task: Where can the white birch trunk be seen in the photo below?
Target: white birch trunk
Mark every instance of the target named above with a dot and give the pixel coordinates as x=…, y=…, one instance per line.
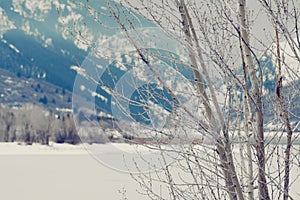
x=262, y=182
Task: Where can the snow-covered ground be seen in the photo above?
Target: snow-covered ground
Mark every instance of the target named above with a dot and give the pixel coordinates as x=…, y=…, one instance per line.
x=38, y=149
x=59, y=172
x=69, y=172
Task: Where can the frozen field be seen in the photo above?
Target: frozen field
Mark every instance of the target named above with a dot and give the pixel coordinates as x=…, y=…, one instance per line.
x=66, y=172
x=62, y=172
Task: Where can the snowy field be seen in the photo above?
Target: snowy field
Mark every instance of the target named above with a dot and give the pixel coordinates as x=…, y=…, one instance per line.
x=67, y=172
x=60, y=172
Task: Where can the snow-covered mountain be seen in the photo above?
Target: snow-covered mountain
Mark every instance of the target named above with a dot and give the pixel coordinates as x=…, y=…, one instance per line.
x=32, y=47
x=43, y=39
x=38, y=40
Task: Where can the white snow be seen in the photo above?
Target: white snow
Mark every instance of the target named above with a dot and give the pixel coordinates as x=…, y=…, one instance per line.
x=79, y=70
x=38, y=149
x=9, y=80
x=95, y=94
x=5, y=24
x=103, y=114
x=59, y=177
x=63, y=171
x=35, y=9
x=14, y=48
x=64, y=110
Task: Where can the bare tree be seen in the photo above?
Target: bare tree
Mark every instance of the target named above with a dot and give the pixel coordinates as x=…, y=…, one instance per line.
x=8, y=125
x=70, y=132
x=228, y=68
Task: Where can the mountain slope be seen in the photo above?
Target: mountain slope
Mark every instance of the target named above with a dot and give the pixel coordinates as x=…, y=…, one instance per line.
x=16, y=90
x=42, y=39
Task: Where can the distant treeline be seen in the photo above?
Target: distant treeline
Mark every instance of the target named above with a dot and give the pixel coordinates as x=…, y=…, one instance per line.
x=34, y=124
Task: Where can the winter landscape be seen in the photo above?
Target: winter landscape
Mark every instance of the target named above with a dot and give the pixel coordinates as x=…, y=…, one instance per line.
x=134, y=99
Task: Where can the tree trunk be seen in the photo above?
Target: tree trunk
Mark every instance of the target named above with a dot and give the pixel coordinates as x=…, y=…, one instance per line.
x=282, y=106
x=223, y=147
x=247, y=106
x=262, y=182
